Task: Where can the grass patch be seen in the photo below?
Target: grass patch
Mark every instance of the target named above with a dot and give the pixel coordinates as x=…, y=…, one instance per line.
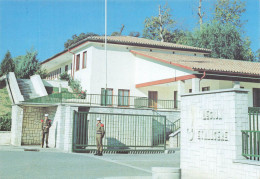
x=5, y=102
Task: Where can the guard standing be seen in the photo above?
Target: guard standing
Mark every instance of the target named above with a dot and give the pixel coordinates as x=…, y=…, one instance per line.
x=46, y=124
x=100, y=132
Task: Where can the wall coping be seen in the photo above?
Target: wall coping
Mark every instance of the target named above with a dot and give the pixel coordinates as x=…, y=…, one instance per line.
x=5, y=131
x=248, y=162
x=217, y=91
x=85, y=105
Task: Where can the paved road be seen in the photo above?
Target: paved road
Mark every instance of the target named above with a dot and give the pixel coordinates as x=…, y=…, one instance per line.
x=50, y=163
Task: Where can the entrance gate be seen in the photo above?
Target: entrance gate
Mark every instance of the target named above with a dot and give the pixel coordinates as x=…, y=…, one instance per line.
x=251, y=137
x=123, y=132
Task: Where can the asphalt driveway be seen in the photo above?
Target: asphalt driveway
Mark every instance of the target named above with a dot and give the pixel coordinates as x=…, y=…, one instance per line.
x=50, y=163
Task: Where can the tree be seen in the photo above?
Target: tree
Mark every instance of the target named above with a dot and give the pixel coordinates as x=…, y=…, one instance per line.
x=134, y=34
x=224, y=40
x=7, y=64
x=258, y=55
x=200, y=14
x=120, y=32
x=76, y=39
x=27, y=65
x=159, y=27
x=42, y=72
x=230, y=11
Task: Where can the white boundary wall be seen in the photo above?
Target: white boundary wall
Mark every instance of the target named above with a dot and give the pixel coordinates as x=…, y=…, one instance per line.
x=17, y=96
x=38, y=85
x=211, y=141
x=5, y=137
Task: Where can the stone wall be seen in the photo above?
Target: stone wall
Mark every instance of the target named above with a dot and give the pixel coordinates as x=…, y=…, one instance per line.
x=31, y=132
x=211, y=138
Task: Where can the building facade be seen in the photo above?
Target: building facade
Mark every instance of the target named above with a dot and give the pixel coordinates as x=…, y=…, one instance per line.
x=147, y=68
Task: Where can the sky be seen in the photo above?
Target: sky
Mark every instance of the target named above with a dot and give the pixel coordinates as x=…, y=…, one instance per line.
x=45, y=25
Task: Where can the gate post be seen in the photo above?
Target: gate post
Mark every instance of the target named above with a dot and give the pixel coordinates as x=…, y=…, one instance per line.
x=211, y=137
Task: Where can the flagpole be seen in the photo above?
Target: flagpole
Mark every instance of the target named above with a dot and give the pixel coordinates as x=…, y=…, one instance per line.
x=106, y=38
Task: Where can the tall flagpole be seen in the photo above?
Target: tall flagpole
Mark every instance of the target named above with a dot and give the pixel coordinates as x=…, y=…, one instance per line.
x=106, y=38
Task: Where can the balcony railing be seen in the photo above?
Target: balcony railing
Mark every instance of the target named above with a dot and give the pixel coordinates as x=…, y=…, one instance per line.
x=106, y=100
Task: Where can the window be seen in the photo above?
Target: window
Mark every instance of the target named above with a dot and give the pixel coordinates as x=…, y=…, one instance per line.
x=152, y=99
x=106, y=97
x=123, y=97
x=66, y=68
x=256, y=97
x=77, y=62
x=175, y=97
x=205, y=88
x=84, y=61
x=190, y=90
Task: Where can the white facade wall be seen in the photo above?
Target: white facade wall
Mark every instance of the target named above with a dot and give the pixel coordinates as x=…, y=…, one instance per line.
x=223, y=84
x=62, y=69
x=84, y=74
x=147, y=70
x=211, y=138
x=124, y=70
x=120, y=70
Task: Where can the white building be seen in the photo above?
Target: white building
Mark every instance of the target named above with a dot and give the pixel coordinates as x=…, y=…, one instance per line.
x=148, y=68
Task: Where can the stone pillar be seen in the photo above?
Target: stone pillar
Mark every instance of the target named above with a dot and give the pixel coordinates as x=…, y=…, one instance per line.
x=195, y=85
x=181, y=89
x=57, y=115
x=17, y=124
x=211, y=138
x=68, y=128
x=236, y=84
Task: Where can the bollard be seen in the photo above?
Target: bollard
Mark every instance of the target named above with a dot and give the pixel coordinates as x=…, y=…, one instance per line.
x=166, y=173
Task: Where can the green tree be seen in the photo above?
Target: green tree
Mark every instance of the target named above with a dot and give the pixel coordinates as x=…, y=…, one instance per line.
x=257, y=54
x=118, y=33
x=224, y=40
x=134, y=34
x=230, y=11
x=7, y=64
x=76, y=39
x=27, y=65
x=159, y=27
x=42, y=72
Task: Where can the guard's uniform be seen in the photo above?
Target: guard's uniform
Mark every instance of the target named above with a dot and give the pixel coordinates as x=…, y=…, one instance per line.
x=46, y=124
x=99, y=135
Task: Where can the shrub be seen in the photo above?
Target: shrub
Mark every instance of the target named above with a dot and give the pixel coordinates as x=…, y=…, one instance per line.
x=5, y=123
x=65, y=76
x=43, y=73
x=76, y=87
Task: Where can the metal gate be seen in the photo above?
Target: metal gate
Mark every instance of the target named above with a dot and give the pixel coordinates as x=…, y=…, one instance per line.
x=251, y=137
x=123, y=132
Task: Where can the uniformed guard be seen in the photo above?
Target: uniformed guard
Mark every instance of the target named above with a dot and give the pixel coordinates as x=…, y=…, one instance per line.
x=100, y=132
x=46, y=124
